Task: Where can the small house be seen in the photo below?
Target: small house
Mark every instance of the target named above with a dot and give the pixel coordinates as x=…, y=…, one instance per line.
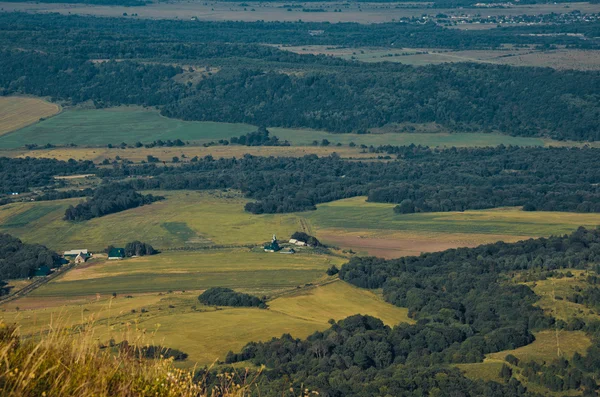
x=42, y=271
x=293, y=241
x=80, y=259
x=300, y=243
x=72, y=254
x=116, y=254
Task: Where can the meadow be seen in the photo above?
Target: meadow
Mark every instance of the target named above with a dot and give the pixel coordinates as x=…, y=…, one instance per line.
x=178, y=320
x=19, y=112
x=205, y=219
x=375, y=229
x=99, y=127
x=255, y=271
x=184, y=219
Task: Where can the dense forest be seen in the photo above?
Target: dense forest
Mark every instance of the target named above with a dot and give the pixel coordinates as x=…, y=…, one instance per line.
x=464, y=308
x=21, y=175
x=106, y=200
x=219, y=296
x=19, y=260
x=121, y=38
x=548, y=179
x=419, y=180
x=60, y=59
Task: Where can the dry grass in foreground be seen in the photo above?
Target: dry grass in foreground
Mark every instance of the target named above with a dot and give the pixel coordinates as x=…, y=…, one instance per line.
x=66, y=364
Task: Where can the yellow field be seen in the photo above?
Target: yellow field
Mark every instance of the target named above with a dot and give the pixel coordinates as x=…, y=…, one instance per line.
x=547, y=345
x=18, y=112
x=167, y=153
x=206, y=334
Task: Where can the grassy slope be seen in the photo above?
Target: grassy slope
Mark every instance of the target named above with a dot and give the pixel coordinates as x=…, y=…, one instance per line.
x=184, y=219
x=18, y=112
x=100, y=127
x=198, y=219
x=549, y=344
x=206, y=334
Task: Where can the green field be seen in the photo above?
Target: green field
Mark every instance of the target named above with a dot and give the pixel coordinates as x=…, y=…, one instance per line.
x=254, y=271
x=116, y=125
x=208, y=218
x=356, y=213
x=184, y=219
x=100, y=127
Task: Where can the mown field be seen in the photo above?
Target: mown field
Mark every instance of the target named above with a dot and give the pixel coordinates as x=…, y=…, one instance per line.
x=206, y=334
x=18, y=112
x=130, y=125
x=375, y=229
x=255, y=271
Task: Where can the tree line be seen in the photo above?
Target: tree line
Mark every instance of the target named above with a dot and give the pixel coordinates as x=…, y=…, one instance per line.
x=549, y=179
x=108, y=199
x=220, y=296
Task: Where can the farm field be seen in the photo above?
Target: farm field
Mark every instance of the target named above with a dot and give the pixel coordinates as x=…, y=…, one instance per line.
x=218, y=11
x=18, y=112
x=178, y=320
x=557, y=59
x=103, y=126
x=373, y=228
x=208, y=218
x=185, y=218
x=254, y=271
x=98, y=155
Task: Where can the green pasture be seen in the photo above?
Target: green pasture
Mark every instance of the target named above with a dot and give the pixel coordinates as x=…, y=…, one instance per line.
x=358, y=214
x=116, y=125
x=184, y=219
x=255, y=271
x=99, y=127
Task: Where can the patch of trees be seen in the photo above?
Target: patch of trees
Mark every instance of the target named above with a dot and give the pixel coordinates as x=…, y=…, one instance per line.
x=258, y=138
x=307, y=238
x=108, y=200
x=152, y=351
x=137, y=248
x=550, y=179
x=50, y=195
x=19, y=260
x=22, y=174
x=220, y=296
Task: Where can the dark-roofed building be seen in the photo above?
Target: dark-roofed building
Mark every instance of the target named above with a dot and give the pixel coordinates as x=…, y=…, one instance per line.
x=116, y=253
